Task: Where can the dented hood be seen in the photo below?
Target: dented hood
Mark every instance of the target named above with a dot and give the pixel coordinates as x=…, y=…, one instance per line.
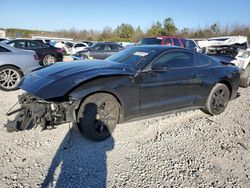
x=56, y=80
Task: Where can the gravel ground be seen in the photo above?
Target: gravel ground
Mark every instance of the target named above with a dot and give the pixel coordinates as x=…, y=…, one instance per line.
x=189, y=149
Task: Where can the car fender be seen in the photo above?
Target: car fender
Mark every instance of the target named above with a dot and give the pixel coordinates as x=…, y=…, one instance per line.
x=107, y=85
x=99, y=84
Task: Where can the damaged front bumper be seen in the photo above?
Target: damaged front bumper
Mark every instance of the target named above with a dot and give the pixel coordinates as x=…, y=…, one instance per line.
x=38, y=112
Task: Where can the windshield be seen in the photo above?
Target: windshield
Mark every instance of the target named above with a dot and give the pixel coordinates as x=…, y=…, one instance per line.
x=150, y=41
x=134, y=56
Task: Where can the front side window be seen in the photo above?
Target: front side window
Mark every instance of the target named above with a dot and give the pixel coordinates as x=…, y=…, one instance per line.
x=114, y=47
x=33, y=44
x=99, y=47
x=79, y=45
x=17, y=44
x=190, y=44
x=176, y=60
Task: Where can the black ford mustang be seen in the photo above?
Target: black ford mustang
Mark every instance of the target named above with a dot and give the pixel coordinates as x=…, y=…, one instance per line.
x=139, y=81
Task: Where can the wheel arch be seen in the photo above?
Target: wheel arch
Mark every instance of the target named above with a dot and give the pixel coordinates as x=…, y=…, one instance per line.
x=11, y=65
x=228, y=84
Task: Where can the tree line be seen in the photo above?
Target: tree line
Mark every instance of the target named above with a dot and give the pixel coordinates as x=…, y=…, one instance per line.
x=127, y=33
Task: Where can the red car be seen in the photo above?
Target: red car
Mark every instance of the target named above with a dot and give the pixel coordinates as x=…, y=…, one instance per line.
x=163, y=40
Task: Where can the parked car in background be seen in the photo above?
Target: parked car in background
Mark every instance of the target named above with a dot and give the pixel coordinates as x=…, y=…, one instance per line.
x=162, y=40
x=241, y=60
x=46, y=53
x=14, y=64
x=74, y=47
x=100, y=50
x=224, y=45
x=138, y=81
x=191, y=44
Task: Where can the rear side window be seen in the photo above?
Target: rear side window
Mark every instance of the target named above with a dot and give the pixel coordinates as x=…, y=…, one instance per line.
x=80, y=45
x=176, y=42
x=34, y=44
x=113, y=47
x=177, y=59
x=2, y=49
x=202, y=60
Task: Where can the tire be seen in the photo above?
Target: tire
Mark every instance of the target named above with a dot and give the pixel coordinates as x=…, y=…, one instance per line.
x=97, y=116
x=84, y=57
x=48, y=60
x=9, y=78
x=245, y=77
x=217, y=100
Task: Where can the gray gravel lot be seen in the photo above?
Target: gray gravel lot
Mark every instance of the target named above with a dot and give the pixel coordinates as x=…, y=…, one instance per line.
x=189, y=149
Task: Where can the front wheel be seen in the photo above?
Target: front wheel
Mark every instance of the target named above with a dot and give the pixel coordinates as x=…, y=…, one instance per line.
x=97, y=116
x=217, y=100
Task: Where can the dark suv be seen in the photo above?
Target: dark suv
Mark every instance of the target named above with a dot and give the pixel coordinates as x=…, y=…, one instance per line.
x=47, y=54
x=100, y=50
x=162, y=40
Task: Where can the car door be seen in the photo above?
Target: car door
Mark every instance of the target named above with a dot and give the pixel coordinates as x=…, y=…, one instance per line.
x=97, y=51
x=169, y=84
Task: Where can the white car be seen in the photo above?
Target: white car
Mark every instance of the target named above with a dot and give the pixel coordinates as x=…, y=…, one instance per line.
x=72, y=47
x=14, y=64
x=218, y=44
x=242, y=60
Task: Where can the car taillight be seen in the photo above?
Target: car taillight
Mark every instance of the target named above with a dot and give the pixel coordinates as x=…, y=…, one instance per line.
x=36, y=57
x=59, y=50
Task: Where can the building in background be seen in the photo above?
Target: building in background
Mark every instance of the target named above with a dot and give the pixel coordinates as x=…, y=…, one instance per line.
x=2, y=34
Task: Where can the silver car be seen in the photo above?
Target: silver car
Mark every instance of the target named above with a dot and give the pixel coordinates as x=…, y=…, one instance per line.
x=14, y=64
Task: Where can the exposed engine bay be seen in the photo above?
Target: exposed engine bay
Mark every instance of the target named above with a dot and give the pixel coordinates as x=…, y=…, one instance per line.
x=37, y=112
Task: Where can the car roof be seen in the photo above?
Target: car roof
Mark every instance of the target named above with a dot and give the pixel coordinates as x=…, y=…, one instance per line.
x=108, y=43
x=160, y=47
x=163, y=37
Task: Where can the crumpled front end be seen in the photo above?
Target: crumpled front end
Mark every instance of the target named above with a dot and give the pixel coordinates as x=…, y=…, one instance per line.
x=35, y=112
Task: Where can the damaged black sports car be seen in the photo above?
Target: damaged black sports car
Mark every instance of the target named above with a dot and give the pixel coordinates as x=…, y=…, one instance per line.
x=137, y=82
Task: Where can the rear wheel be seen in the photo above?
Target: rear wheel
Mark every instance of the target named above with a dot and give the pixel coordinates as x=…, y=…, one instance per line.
x=9, y=78
x=245, y=77
x=48, y=59
x=217, y=100
x=98, y=116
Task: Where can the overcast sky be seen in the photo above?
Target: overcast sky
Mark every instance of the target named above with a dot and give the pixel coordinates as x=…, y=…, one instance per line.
x=96, y=14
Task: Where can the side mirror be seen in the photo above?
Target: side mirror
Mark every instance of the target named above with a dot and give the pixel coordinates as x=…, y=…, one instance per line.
x=159, y=67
